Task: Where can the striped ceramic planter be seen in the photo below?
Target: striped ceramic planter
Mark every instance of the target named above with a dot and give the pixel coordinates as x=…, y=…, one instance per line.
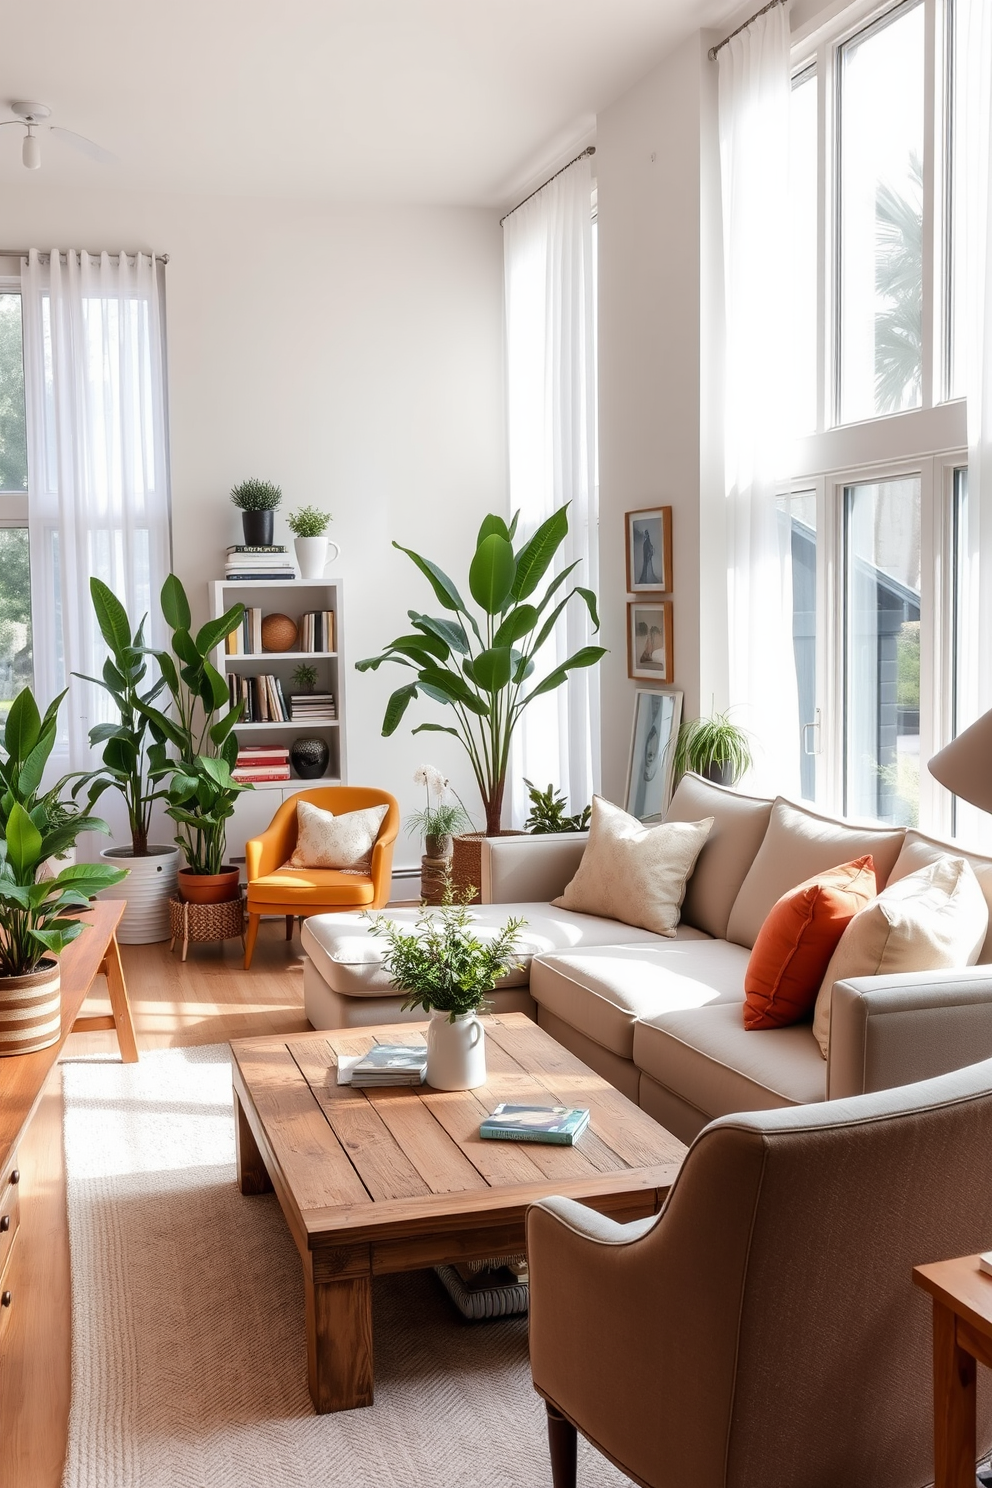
x=150, y=884
x=30, y=1010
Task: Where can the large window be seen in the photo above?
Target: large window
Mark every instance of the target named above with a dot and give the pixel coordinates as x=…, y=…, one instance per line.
x=15, y=572
x=878, y=499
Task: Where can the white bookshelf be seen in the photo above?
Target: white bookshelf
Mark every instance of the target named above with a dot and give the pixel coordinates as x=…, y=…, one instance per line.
x=292, y=597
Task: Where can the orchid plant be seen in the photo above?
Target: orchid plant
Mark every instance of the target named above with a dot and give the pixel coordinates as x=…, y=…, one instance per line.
x=442, y=818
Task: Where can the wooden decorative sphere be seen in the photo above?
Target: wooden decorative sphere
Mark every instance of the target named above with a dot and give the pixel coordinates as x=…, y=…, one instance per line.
x=278, y=633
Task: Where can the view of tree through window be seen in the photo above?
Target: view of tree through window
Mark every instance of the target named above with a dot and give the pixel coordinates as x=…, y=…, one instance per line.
x=13, y=444
x=15, y=571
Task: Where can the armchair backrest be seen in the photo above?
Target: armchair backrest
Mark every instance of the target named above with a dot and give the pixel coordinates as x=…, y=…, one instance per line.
x=339, y=799
x=785, y=1257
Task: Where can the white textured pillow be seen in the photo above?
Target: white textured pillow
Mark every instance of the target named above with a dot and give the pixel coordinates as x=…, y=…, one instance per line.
x=930, y=920
x=632, y=873
x=329, y=841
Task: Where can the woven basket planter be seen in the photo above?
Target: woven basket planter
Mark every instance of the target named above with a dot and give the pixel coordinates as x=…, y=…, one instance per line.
x=201, y=922
x=466, y=860
x=30, y=1010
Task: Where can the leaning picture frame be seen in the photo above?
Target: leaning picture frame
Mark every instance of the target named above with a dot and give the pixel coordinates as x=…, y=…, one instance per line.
x=653, y=737
x=650, y=646
x=649, y=550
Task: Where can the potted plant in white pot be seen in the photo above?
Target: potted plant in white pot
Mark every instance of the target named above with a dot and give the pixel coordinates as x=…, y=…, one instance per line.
x=309, y=528
x=133, y=752
x=257, y=500
x=36, y=912
x=445, y=968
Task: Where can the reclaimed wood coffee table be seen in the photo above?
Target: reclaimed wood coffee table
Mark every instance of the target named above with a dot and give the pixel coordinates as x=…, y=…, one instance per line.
x=397, y=1178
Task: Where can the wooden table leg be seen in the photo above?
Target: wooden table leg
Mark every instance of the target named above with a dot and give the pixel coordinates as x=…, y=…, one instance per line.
x=116, y=986
x=253, y=1177
x=953, y=1404
x=339, y=1342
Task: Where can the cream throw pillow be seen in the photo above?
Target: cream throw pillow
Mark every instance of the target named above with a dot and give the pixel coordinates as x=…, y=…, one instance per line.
x=632, y=873
x=329, y=841
x=931, y=919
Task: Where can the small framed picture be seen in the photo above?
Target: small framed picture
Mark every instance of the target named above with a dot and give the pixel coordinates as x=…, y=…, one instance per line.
x=649, y=550
x=650, y=654
x=657, y=716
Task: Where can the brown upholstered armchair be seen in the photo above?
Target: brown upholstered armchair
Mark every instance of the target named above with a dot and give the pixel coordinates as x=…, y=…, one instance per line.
x=274, y=889
x=763, y=1330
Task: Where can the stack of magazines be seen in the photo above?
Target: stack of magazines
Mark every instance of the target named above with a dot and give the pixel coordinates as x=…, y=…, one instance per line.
x=561, y=1125
x=315, y=707
x=245, y=562
x=385, y=1064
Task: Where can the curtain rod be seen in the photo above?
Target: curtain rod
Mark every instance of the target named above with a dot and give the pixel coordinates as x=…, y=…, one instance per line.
x=23, y=253
x=742, y=27
x=589, y=150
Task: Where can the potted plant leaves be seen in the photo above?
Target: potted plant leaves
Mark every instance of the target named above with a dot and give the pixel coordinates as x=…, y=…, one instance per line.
x=257, y=500
x=713, y=747
x=133, y=753
x=549, y=812
x=309, y=528
x=38, y=913
x=439, y=820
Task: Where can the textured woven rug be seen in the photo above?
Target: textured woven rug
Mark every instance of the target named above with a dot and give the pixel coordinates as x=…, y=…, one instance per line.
x=188, y=1354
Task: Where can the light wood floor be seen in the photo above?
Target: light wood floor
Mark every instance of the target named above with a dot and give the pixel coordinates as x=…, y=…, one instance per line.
x=208, y=1000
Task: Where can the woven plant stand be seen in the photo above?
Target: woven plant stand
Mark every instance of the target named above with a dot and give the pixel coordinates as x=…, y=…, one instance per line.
x=434, y=874
x=466, y=860
x=200, y=922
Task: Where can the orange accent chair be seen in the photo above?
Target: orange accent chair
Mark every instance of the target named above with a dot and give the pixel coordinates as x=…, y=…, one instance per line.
x=274, y=889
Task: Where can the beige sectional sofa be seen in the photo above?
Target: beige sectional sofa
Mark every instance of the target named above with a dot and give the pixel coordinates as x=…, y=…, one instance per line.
x=662, y=1018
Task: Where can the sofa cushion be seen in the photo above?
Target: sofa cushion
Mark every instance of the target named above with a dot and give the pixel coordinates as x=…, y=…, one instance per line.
x=917, y=851
x=350, y=959
x=707, y=1057
x=634, y=873
x=602, y=991
x=798, y=845
x=933, y=919
x=795, y=943
x=739, y=824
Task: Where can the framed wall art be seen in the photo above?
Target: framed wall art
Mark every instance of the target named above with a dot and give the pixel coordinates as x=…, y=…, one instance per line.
x=649, y=550
x=657, y=716
x=650, y=652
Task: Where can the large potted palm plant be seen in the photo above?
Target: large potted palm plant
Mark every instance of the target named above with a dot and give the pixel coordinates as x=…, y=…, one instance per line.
x=134, y=755
x=38, y=914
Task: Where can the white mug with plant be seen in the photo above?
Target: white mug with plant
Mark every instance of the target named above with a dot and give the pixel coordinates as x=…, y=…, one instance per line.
x=444, y=966
x=440, y=819
x=309, y=528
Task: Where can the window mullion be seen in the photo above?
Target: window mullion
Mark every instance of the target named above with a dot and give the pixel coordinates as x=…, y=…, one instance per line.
x=931, y=361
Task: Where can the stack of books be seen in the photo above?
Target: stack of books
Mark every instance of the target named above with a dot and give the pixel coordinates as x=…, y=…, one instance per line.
x=246, y=638
x=261, y=697
x=244, y=562
x=385, y=1064
x=312, y=707
x=561, y=1125
x=317, y=630
x=265, y=762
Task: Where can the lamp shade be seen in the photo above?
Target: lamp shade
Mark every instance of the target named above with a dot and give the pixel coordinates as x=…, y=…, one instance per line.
x=965, y=766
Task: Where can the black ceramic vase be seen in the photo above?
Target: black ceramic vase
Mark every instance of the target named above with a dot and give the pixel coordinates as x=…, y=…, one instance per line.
x=309, y=757
x=257, y=528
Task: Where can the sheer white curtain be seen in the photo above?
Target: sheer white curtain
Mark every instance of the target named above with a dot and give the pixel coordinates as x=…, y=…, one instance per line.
x=98, y=478
x=754, y=95
x=549, y=272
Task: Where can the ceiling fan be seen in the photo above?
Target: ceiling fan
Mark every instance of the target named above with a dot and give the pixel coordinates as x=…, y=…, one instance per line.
x=34, y=115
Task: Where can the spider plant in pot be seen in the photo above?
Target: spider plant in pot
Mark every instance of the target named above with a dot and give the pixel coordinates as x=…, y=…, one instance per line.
x=713, y=747
x=38, y=913
x=257, y=500
x=444, y=966
x=201, y=792
x=309, y=528
x=133, y=750
x=482, y=668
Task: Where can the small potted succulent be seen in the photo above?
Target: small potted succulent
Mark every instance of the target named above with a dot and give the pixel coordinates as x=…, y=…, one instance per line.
x=445, y=968
x=257, y=500
x=309, y=528
x=548, y=812
x=713, y=747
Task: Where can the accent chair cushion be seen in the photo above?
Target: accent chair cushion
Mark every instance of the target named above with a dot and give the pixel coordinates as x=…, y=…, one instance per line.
x=295, y=890
x=344, y=842
x=798, y=845
x=632, y=873
x=794, y=945
x=934, y=918
x=739, y=825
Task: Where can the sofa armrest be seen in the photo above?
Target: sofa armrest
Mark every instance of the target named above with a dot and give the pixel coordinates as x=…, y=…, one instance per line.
x=529, y=870
x=895, y=1030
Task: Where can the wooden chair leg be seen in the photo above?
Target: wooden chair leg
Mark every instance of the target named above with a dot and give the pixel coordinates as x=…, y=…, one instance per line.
x=563, y=1443
x=290, y=922
x=254, y=920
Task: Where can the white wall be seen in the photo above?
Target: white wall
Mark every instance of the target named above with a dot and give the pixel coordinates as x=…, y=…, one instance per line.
x=354, y=356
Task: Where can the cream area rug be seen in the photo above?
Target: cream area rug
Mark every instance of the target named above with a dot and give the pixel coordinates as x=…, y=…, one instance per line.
x=188, y=1352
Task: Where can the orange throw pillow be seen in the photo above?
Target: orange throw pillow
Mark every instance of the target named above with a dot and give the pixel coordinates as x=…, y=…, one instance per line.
x=794, y=945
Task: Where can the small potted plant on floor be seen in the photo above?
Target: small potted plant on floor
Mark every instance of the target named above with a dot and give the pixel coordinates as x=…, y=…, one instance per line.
x=257, y=500
x=133, y=750
x=37, y=913
x=445, y=968
x=549, y=812
x=713, y=747
x=437, y=823
x=309, y=528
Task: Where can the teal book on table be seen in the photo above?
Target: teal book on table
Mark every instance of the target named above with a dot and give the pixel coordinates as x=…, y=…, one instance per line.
x=557, y=1124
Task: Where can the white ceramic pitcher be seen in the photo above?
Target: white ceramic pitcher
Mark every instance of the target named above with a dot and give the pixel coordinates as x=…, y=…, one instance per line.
x=313, y=556
x=456, y=1052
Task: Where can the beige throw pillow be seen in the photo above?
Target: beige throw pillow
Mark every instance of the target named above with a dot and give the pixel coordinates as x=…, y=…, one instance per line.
x=329, y=841
x=632, y=873
x=931, y=919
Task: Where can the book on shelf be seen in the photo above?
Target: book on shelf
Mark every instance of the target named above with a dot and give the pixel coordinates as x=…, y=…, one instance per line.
x=261, y=697
x=262, y=764
x=315, y=707
x=260, y=777
x=263, y=754
x=257, y=548
x=384, y=1064
x=246, y=578
x=317, y=629
x=560, y=1125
